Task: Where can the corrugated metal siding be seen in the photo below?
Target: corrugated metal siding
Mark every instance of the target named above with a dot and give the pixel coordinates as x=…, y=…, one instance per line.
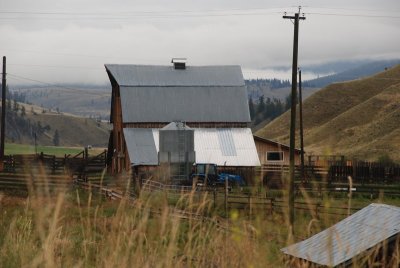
x=141, y=146
x=238, y=150
x=150, y=75
x=210, y=149
x=226, y=142
x=350, y=237
x=190, y=104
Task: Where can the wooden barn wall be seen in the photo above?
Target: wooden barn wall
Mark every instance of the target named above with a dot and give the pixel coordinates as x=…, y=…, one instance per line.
x=264, y=147
x=120, y=158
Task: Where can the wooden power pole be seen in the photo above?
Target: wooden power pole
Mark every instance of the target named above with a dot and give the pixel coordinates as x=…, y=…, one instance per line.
x=290, y=193
x=3, y=112
x=301, y=128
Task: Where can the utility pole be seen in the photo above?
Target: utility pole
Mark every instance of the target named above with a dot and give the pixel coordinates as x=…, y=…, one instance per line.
x=301, y=129
x=3, y=113
x=296, y=19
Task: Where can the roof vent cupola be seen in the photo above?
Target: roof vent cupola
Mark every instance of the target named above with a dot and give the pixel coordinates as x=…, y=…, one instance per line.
x=179, y=63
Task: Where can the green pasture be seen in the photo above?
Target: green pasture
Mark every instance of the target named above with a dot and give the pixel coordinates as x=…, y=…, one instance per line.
x=13, y=148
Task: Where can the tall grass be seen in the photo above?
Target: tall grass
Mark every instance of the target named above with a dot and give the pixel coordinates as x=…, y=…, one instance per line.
x=78, y=228
x=82, y=229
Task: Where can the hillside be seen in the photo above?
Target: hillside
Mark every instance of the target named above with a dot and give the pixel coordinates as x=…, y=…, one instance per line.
x=72, y=130
x=93, y=102
x=339, y=72
x=359, y=118
x=356, y=72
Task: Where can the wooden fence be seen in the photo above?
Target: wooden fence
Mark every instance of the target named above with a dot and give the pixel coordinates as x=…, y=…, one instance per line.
x=42, y=170
x=251, y=204
x=360, y=172
x=263, y=205
x=80, y=162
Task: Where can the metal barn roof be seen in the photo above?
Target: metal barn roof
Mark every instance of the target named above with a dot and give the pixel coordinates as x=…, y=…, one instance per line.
x=189, y=104
x=153, y=75
x=230, y=147
x=350, y=237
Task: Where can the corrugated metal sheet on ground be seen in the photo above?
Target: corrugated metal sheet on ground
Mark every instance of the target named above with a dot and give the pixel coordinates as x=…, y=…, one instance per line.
x=350, y=237
x=188, y=104
x=151, y=75
x=209, y=144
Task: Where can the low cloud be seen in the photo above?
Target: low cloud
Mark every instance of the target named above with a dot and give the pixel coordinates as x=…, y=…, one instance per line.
x=75, y=50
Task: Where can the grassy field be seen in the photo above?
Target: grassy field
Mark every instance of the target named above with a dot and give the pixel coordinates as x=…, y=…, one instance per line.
x=359, y=118
x=13, y=148
x=80, y=229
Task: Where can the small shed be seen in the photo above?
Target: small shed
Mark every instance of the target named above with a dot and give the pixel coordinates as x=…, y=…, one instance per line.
x=274, y=153
x=371, y=234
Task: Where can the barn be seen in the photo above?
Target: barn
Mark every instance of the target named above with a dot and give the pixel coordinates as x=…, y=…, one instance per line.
x=207, y=104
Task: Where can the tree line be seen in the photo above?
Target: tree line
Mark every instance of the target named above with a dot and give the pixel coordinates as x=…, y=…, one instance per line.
x=267, y=108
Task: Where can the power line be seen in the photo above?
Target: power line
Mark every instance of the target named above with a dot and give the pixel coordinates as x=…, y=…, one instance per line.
x=176, y=14
x=179, y=12
x=56, y=66
x=353, y=15
x=142, y=17
x=357, y=9
x=58, y=86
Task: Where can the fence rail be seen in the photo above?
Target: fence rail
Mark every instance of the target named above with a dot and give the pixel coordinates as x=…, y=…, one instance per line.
x=80, y=163
x=339, y=171
x=256, y=204
x=250, y=203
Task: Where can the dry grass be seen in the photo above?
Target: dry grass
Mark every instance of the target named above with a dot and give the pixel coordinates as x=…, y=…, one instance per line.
x=358, y=118
x=73, y=130
x=84, y=230
x=78, y=228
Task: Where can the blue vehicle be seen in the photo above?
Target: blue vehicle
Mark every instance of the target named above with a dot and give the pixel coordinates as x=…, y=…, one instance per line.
x=233, y=180
x=207, y=175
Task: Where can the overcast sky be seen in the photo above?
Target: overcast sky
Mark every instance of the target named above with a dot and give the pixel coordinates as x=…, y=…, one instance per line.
x=69, y=41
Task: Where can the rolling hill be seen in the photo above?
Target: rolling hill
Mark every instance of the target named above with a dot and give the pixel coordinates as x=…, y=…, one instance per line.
x=78, y=100
x=356, y=72
x=359, y=118
x=72, y=130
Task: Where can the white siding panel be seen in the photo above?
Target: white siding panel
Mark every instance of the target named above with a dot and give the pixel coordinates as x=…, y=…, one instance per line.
x=211, y=146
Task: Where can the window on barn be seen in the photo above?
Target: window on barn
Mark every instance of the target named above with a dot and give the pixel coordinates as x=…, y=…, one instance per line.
x=274, y=156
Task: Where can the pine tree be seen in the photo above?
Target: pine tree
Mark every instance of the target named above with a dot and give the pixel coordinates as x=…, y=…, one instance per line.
x=23, y=113
x=16, y=106
x=288, y=102
x=251, y=109
x=8, y=105
x=261, y=105
x=56, y=138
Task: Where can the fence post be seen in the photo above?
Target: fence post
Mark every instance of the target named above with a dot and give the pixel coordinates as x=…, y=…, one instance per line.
x=354, y=165
x=226, y=198
x=316, y=210
x=215, y=197
x=271, y=205
x=249, y=201
x=54, y=164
